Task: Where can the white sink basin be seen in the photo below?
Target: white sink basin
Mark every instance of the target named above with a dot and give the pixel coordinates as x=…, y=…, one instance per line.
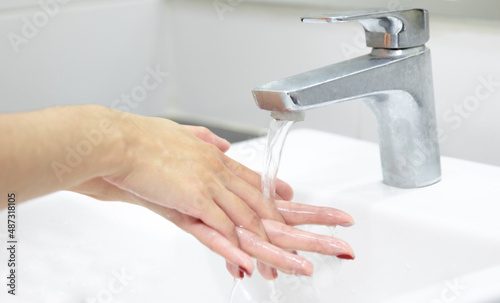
x=435, y=244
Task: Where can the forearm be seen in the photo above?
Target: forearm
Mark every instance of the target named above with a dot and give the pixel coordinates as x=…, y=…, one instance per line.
x=57, y=148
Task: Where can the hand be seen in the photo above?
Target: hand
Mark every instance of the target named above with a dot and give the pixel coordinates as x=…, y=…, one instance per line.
x=209, y=137
x=172, y=168
x=156, y=163
x=283, y=236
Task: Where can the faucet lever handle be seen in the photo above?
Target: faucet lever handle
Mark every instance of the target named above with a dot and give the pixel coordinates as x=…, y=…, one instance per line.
x=391, y=29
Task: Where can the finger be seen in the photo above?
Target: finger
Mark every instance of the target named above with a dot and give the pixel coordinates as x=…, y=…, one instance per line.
x=206, y=135
x=99, y=189
x=288, y=237
x=273, y=255
x=235, y=270
x=222, y=246
x=204, y=208
x=212, y=215
x=242, y=215
x=267, y=272
x=254, y=199
x=265, y=209
x=241, y=262
x=298, y=214
x=239, y=212
x=283, y=189
x=207, y=236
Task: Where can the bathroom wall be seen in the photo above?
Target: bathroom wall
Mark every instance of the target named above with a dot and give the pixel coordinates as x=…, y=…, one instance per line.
x=208, y=55
x=81, y=51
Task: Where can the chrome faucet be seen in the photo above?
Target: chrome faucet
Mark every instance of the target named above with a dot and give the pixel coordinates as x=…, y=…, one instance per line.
x=394, y=81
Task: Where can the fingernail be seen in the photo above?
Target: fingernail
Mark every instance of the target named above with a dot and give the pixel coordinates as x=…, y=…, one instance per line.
x=275, y=273
x=349, y=224
x=244, y=270
x=346, y=257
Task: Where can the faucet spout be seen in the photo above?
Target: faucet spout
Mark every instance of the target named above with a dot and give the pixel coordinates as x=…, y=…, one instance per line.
x=396, y=84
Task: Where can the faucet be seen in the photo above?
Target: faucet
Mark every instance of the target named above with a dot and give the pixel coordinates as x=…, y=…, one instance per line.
x=394, y=81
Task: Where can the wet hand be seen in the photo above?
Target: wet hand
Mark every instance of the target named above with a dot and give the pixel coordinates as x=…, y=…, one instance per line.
x=284, y=238
x=169, y=166
x=183, y=168
x=181, y=173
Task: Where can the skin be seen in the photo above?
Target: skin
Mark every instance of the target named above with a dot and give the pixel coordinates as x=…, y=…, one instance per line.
x=179, y=172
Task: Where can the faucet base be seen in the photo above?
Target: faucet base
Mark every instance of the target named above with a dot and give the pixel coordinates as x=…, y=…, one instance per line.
x=409, y=186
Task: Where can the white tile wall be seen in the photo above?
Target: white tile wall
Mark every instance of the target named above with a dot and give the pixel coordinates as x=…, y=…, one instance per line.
x=96, y=51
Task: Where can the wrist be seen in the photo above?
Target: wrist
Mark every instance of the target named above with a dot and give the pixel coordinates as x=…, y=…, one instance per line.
x=106, y=136
x=58, y=148
x=95, y=146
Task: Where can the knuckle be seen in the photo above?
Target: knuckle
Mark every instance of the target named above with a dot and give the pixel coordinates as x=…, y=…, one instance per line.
x=225, y=176
x=219, y=170
x=254, y=223
x=234, y=165
x=211, y=188
x=205, y=132
x=200, y=204
x=214, y=150
x=194, y=209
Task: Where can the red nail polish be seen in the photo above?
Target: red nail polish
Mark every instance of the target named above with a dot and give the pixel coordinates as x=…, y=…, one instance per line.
x=346, y=257
x=242, y=275
x=275, y=273
x=244, y=270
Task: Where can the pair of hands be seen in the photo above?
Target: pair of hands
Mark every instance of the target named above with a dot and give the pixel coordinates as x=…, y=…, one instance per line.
x=182, y=173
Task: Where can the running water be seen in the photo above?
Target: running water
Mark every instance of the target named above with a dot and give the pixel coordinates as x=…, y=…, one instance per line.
x=275, y=140
x=233, y=291
x=288, y=288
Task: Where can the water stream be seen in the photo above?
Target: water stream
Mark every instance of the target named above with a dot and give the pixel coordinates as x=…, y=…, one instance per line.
x=235, y=288
x=276, y=136
x=287, y=288
x=275, y=141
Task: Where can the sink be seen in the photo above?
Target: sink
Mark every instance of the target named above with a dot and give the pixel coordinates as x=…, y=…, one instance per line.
x=433, y=244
